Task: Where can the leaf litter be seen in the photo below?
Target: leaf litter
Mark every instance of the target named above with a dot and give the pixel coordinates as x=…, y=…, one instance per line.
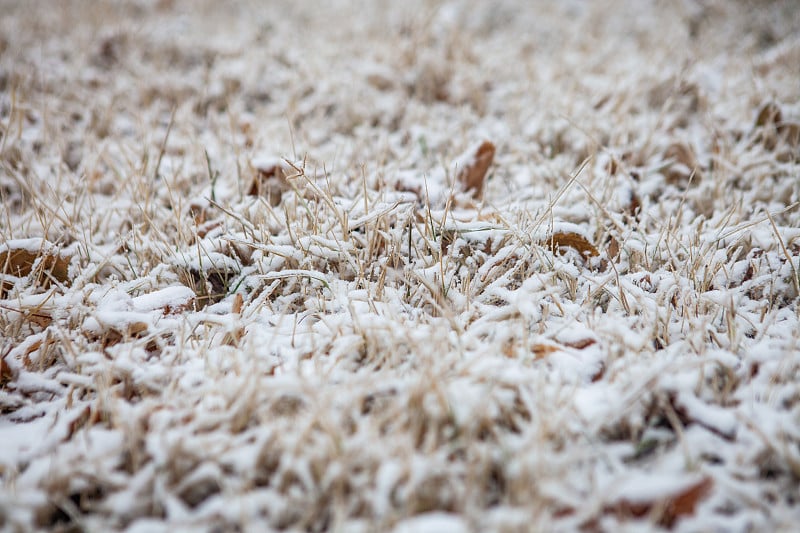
x=416, y=266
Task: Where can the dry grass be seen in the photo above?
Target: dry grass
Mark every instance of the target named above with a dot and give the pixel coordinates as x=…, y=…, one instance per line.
x=604, y=331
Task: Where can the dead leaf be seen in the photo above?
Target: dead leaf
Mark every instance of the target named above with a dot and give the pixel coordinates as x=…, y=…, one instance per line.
x=210, y=285
x=238, y=301
x=242, y=251
x=567, y=239
x=269, y=180
x=78, y=422
x=769, y=113
x=541, y=350
x=684, y=162
x=114, y=335
x=668, y=509
x=179, y=308
x=5, y=287
x=6, y=374
x=233, y=338
x=32, y=348
x=634, y=205
x=38, y=314
x=199, y=211
x=598, y=375
x=613, y=249
x=40, y=319
x=612, y=166
x=20, y=262
x=580, y=344
x=771, y=130
x=204, y=229
x=135, y=329
x=472, y=175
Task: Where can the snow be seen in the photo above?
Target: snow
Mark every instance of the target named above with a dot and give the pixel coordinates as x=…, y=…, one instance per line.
x=33, y=245
x=163, y=299
x=378, y=350
x=432, y=523
x=720, y=420
x=20, y=439
x=267, y=162
x=650, y=487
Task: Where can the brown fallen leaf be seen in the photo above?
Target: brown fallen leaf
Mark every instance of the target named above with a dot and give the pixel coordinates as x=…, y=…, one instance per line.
x=474, y=165
x=612, y=166
x=599, y=373
x=5, y=287
x=684, y=163
x=541, y=350
x=669, y=509
x=20, y=262
x=613, y=249
x=207, y=228
x=199, y=211
x=40, y=319
x=769, y=113
x=115, y=335
x=135, y=329
x=580, y=344
x=772, y=130
x=6, y=374
x=78, y=422
x=38, y=314
x=233, y=337
x=30, y=349
x=634, y=205
x=568, y=239
x=269, y=180
x=178, y=308
x=209, y=285
x=238, y=302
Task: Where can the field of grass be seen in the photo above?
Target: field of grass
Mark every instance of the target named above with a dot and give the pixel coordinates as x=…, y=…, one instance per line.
x=399, y=266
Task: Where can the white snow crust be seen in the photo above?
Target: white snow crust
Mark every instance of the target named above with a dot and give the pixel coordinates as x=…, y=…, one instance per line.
x=375, y=349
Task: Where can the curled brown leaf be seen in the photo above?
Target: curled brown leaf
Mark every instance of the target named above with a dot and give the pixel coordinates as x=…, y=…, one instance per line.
x=269, y=179
x=560, y=240
x=19, y=261
x=472, y=175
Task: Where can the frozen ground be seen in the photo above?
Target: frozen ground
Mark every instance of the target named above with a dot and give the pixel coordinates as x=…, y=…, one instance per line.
x=254, y=277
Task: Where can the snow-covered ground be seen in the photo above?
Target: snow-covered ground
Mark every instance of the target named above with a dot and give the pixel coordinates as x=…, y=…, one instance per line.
x=255, y=275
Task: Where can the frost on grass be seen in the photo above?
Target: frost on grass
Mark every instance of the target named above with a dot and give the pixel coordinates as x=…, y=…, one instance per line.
x=371, y=267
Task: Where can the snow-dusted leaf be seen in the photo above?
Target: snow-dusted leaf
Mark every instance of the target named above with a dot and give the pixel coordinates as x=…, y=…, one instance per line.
x=769, y=114
x=561, y=240
x=21, y=257
x=473, y=165
x=667, y=498
x=269, y=178
x=6, y=374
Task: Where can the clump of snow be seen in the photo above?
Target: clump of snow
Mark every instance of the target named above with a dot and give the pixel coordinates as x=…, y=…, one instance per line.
x=432, y=523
